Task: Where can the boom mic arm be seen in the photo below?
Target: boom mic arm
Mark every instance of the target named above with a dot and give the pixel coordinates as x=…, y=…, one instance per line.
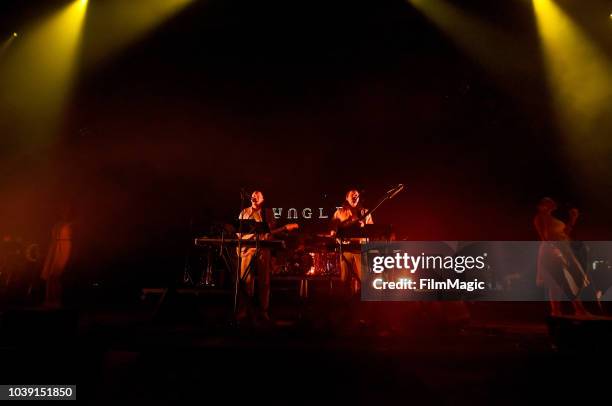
x=393, y=192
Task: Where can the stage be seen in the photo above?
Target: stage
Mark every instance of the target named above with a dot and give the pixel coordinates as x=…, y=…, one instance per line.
x=381, y=201
x=130, y=353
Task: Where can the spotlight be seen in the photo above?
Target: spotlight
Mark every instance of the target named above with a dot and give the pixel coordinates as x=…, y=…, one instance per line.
x=40, y=73
x=579, y=77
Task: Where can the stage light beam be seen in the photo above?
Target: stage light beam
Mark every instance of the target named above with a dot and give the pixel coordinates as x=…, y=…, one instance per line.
x=579, y=76
x=497, y=52
x=6, y=44
x=37, y=77
x=481, y=40
x=117, y=24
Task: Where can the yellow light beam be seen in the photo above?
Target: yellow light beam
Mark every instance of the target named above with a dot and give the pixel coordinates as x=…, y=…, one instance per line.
x=6, y=44
x=36, y=79
x=482, y=41
x=116, y=24
x=580, y=82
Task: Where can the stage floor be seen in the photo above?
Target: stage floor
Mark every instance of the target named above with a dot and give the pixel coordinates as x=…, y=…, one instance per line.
x=124, y=353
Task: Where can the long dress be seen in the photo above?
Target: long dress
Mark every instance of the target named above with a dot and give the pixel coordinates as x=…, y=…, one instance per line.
x=558, y=269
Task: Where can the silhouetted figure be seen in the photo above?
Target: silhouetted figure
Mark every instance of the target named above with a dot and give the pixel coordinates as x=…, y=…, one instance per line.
x=558, y=269
x=58, y=256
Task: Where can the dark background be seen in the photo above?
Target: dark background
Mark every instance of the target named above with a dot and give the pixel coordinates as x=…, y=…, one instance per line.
x=301, y=100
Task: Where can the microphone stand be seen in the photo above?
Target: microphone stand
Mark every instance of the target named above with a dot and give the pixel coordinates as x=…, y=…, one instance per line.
x=390, y=194
x=239, y=262
x=187, y=278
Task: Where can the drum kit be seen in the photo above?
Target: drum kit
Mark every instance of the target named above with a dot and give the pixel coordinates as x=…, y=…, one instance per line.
x=316, y=256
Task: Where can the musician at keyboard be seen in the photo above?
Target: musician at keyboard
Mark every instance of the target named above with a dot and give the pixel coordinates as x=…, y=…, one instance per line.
x=257, y=261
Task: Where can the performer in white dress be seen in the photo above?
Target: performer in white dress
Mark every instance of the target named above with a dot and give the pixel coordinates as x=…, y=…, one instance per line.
x=558, y=269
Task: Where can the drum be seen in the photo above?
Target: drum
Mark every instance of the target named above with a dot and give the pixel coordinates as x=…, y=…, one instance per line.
x=311, y=263
x=299, y=262
x=325, y=263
